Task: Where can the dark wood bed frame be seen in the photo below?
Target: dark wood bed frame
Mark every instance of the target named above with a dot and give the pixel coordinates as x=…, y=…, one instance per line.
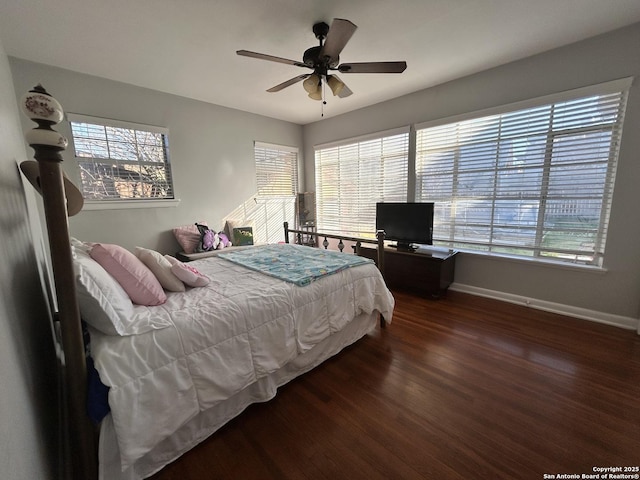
x=356, y=244
x=80, y=433
x=80, y=452
x=356, y=241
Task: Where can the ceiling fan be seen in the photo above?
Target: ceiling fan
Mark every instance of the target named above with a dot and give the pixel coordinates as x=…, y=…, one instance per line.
x=325, y=58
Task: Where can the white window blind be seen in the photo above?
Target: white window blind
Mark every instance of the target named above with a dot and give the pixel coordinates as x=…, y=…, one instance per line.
x=277, y=187
x=276, y=169
x=121, y=161
x=352, y=177
x=536, y=181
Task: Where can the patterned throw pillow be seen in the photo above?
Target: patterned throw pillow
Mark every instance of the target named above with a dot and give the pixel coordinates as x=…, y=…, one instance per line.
x=231, y=225
x=243, y=236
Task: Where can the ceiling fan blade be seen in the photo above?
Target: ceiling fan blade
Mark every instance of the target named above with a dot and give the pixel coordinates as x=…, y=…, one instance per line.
x=373, y=67
x=271, y=58
x=339, y=34
x=289, y=82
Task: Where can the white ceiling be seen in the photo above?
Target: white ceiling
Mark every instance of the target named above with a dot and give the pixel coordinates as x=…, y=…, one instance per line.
x=187, y=47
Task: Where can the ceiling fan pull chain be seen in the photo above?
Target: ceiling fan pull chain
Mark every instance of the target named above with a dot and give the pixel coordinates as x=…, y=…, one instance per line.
x=324, y=102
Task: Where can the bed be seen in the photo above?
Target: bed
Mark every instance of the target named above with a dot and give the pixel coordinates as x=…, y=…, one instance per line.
x=178, y=370
x=219, y=348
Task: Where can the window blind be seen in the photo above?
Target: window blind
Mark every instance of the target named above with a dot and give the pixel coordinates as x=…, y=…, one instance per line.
x=276, y=169
x=352, y=177
x=120, y=160
x=277, y=186
x=536, y=181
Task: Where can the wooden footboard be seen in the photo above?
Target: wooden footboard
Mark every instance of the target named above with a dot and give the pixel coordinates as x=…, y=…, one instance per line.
x=357, y=242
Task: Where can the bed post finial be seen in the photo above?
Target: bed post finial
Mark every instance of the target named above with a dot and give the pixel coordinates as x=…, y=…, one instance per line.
x=45, y=110
x=48, y=144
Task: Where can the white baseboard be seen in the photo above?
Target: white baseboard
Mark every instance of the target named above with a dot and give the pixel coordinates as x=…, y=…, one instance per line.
x=628, y=323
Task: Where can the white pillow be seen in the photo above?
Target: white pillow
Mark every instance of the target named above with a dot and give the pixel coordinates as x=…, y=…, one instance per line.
x=103, y=302
x=189, y=275
x=161, y=268
x=79, y=245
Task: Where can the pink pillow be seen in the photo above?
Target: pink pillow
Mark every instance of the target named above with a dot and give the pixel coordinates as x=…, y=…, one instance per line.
x=188, y=237
x=189, y=275
x=135, y=278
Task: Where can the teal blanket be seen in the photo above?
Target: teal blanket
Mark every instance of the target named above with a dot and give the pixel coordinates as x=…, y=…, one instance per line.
x=294, y=263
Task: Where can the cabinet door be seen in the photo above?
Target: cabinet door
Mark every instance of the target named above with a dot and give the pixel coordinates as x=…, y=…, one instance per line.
x=422, y=274
x=418, y=273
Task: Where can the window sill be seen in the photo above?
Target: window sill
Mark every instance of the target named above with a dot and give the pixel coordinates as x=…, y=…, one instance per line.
x=535, y=261
x=128, y=204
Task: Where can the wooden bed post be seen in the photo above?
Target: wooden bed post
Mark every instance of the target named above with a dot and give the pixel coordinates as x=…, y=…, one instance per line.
x=286, y=232
x=380, y=238
x=47, y=144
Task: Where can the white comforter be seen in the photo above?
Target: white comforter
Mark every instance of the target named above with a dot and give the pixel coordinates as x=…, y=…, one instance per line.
x=218, y=340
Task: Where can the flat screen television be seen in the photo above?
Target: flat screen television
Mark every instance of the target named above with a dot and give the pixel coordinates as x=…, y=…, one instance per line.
x=406, y=223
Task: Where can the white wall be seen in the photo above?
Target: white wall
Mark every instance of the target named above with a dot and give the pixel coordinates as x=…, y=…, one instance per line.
x=28, y=398
x=211, y=150
x=615, y=55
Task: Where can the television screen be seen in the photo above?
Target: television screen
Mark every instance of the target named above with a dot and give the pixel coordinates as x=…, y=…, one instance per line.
x=406, y=223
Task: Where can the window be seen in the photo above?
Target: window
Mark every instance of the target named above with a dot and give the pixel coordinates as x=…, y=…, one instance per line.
x=352, y=176
x=535, y=181
x=121, y=161
x=276, y=170
x=277, y=186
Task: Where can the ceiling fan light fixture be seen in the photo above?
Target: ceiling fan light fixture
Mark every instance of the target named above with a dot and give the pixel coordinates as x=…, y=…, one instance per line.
x=317, y=95
x=335, y=84
x=325, y=57
x=312, y=84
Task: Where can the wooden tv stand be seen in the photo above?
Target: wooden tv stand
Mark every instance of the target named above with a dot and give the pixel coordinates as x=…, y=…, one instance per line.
x=423, y=271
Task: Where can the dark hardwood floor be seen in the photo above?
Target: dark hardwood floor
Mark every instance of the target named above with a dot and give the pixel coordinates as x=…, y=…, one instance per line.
x=460, y=388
